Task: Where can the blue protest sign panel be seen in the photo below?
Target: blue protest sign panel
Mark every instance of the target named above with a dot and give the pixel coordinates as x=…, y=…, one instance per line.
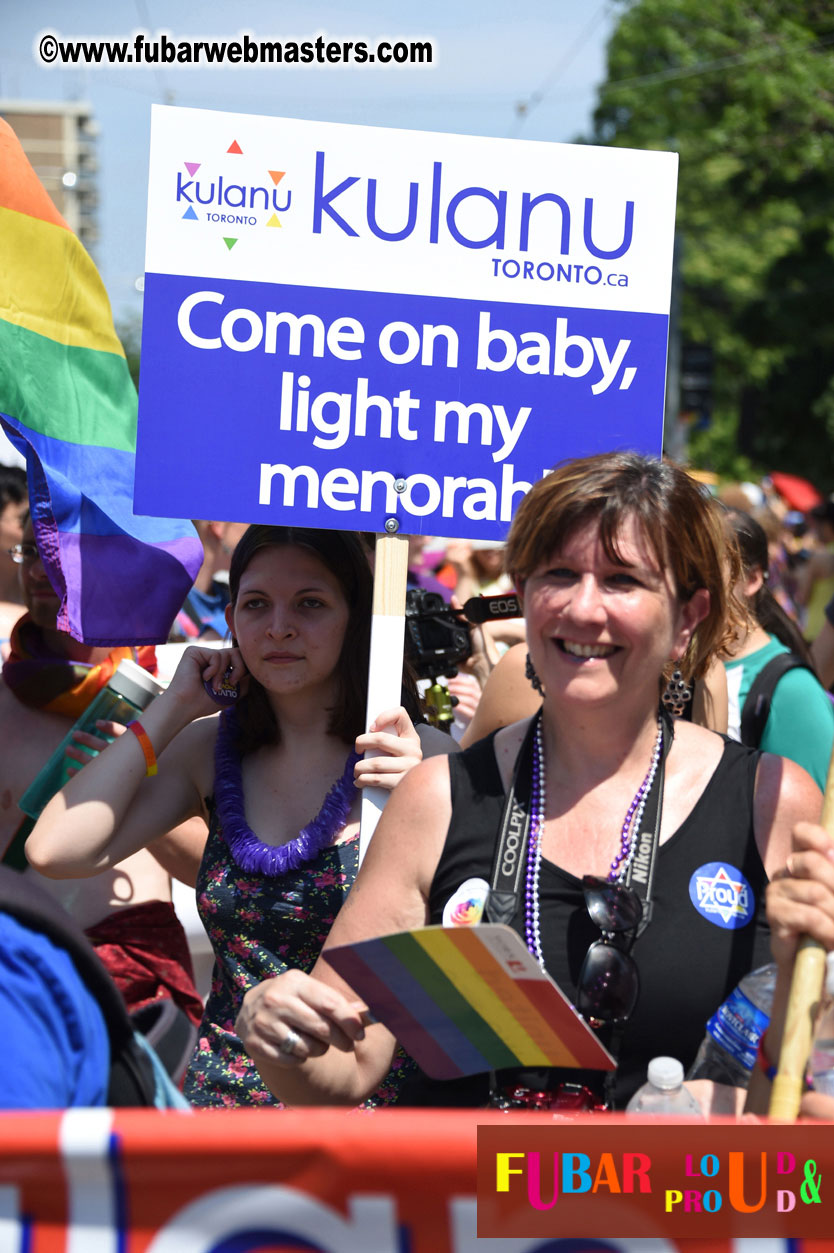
x=347, y=324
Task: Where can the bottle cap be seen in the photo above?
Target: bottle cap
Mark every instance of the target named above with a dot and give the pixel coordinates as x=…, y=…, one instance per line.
x=665, y=1072
x=135, y=684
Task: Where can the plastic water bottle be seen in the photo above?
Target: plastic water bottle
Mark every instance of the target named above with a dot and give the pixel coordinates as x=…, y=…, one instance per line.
x=822, y=1054
x=728, y=1050
x=129, y=690
x=664, y=1092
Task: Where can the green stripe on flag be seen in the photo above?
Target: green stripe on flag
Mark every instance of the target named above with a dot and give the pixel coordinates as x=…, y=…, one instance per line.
x=443, y=991
x=79, y=395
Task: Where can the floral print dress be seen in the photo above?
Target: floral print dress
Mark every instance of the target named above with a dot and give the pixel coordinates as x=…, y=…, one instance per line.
x=259, y=926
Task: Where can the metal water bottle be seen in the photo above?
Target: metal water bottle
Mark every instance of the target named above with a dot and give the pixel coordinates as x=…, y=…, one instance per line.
x=129, y=690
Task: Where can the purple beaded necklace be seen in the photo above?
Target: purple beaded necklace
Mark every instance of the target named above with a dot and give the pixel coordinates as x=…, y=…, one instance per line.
x=250, y=853
x=628, y=834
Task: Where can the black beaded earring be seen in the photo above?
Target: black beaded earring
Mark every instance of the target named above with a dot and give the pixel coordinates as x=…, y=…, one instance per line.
x=531, y=676
x=676, y=694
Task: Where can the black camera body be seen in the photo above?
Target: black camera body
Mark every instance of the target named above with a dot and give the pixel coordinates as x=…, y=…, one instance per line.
x=436, y=635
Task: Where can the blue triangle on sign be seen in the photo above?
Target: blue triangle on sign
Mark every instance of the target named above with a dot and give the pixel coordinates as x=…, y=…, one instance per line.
x=189, y=213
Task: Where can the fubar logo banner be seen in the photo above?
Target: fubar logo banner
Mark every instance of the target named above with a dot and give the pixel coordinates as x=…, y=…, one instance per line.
x=654, y=1180
x=384, y=325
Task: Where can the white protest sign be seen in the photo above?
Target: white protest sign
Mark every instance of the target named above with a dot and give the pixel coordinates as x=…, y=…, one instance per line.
x=347, y=325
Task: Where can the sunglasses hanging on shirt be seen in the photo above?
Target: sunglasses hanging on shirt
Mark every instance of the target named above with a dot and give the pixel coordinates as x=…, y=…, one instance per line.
x=609, y=984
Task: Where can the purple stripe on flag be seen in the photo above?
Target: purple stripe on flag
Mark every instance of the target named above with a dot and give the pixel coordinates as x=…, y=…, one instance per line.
x=410, y=1007
x=133, y=590
x=122, y=577
x=390, y=1009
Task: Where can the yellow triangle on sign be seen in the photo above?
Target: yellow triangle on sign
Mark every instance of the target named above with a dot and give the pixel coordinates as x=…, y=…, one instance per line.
x=273, y=221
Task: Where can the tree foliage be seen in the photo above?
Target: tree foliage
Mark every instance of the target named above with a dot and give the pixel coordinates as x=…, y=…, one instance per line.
x=744, y=92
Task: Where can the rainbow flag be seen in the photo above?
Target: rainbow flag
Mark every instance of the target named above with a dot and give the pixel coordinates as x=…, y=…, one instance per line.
x=464, y=1000
x=68, y=403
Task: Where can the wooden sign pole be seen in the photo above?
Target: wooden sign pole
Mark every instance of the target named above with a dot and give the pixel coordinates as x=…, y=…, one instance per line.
x=803, y=1003
x=386, y=659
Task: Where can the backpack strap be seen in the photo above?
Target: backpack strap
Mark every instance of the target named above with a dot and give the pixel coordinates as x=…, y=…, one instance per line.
x=131, y=1076
x=756, y=709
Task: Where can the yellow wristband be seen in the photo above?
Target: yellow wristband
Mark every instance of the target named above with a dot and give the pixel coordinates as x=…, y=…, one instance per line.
x=146, y=745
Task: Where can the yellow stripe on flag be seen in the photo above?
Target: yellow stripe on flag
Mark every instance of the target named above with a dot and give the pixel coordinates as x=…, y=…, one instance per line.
x=517, y=1000
x=473, y=988
x=51, y=286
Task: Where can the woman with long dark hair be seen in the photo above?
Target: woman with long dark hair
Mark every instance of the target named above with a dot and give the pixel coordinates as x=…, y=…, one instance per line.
x=776, y=701
x=273, y=876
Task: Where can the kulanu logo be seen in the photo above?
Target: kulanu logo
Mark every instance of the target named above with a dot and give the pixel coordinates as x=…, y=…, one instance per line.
x=439, y=209
x=226, y=201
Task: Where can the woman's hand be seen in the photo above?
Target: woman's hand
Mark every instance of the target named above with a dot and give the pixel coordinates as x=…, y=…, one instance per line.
x=201, y=666
x=393, y=735
x=197, y=667
x=800, y=898
x=288, y=1019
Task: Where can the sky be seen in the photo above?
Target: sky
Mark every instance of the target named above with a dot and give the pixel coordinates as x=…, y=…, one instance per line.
x=490, y=57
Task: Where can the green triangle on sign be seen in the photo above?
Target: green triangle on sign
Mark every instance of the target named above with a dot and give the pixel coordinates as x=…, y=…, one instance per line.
x=230, y=243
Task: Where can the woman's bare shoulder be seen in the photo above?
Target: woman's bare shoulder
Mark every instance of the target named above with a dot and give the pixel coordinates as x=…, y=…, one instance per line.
x=426, y=783
x=697, y=739
x=785, y=794
x=507, y=697
x=507, y=743
x=692, y=760
x=408, y=841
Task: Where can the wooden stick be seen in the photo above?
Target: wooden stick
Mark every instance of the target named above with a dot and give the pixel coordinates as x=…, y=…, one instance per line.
x=803, y=1003
x=385, y=669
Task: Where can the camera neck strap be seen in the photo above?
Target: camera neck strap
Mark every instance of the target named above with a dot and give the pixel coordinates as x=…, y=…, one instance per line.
x=641, y=869
x=509, y=864
x=510, y=860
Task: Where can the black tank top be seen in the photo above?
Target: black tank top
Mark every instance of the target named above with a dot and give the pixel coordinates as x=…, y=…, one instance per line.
x=708, y=924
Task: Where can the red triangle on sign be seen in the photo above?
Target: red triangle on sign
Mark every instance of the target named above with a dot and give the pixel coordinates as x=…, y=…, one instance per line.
x=276, y=176
x=234, y=146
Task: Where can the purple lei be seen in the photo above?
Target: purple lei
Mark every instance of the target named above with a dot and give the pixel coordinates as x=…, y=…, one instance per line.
x=250, y=853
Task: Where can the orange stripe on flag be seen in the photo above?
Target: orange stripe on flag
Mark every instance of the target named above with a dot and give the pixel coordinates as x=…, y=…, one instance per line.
x=20, y=187
x=514, y=993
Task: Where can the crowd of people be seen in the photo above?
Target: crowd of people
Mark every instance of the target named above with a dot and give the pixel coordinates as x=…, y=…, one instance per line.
x=662, y=680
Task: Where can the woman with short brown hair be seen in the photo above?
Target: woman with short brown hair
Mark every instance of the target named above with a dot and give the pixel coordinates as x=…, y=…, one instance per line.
x=620, y=562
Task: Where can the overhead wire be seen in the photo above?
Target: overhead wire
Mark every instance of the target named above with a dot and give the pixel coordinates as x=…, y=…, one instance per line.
x=719, y=63
x=166, y=93
x=524, y=108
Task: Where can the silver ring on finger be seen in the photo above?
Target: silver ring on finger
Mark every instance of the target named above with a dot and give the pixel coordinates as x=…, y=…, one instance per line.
x=288, y=1045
